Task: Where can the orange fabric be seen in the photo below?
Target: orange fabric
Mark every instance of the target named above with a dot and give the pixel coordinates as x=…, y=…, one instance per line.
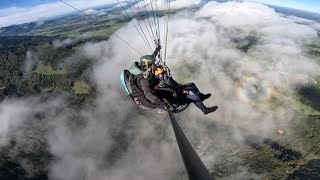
x=159, y=70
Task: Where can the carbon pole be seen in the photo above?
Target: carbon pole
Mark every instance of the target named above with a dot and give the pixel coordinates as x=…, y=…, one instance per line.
x=193, y=164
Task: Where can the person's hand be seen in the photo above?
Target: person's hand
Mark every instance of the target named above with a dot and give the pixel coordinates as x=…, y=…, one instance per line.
x=137, y=101
x=179, y=86
x=174, y=94
x=164, y=105
x=184, y=92
x=170, y=107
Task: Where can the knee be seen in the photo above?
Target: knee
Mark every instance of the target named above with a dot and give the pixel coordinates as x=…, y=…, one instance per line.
x=193, y=85
x=190, y=84
x=194, y=98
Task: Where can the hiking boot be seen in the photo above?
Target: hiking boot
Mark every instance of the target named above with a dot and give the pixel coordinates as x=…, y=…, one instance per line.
x=210, y=110
x=204, y=96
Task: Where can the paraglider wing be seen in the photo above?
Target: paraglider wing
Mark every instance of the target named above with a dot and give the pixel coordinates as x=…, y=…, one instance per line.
x=123, y=78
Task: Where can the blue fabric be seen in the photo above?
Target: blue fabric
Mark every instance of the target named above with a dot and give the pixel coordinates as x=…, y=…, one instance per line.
x=123, y=82
x=161, y=78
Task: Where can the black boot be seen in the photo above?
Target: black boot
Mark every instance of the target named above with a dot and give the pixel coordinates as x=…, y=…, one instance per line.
x=210, y=110
x=204, y=96
x=204, y=109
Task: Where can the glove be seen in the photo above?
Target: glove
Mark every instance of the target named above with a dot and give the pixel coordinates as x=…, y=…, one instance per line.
x=163, y=105
x=179, y=86
x=175, y=95
x=137, y=101
x=185, y=92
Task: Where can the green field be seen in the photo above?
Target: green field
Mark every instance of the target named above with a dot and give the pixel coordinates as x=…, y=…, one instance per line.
x=47, y=70
x=72, y=28
x=297, y=105
x=81, y=87
x=317, y=85
x=314, y=50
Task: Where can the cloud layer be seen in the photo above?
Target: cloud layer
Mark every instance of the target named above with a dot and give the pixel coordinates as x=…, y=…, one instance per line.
x=163, y=5
x=41, y=12
x=16, y=15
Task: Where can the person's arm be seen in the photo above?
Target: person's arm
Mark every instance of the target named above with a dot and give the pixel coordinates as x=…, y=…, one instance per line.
x=155, y=53
x=173, y=82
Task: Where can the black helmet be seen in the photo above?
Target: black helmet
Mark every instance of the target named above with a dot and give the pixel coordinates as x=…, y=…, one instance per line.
x=146, y=61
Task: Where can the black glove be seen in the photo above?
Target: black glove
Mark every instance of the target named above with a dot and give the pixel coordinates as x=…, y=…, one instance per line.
x=163, y=105
x=180, y=88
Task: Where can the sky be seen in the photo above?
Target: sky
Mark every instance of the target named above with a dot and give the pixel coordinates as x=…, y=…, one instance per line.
x=22, y=11
x=22, y=3
x=308, y=5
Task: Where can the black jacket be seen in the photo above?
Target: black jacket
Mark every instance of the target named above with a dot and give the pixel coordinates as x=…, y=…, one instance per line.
x=148, y=87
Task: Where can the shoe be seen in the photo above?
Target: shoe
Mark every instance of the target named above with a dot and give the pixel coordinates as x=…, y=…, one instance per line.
x=210, y=110
x=204, y=96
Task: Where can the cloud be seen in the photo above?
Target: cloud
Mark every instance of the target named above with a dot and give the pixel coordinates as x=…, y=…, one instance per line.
x=30, y=62
x=84, y=156
x=69, y=41
x=12, y=116
x=233, y=14
x=15, y=15
x=90, y=11
x=162, y=4
x=110, y=138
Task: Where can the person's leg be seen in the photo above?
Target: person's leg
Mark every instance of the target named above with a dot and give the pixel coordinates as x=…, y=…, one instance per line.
x=199, y=104
x=191, y=87
x=205, y=109
x=193, y=98
x=194, y=89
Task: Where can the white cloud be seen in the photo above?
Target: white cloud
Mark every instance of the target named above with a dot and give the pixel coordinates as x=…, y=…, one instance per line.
x=69, y=41
x=16, y=15
x=12, y=114
x=91, y=11
x=30, y=62
x=178, y=4
x=233, y=14
x=174, y=4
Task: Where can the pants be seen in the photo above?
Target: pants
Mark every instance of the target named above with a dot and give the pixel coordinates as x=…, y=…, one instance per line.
x=191, y=87
x=195, y=97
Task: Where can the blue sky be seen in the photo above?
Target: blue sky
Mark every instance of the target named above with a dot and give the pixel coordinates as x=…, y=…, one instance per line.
x=23, y=11
x=309, y=5
x=22, y=3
